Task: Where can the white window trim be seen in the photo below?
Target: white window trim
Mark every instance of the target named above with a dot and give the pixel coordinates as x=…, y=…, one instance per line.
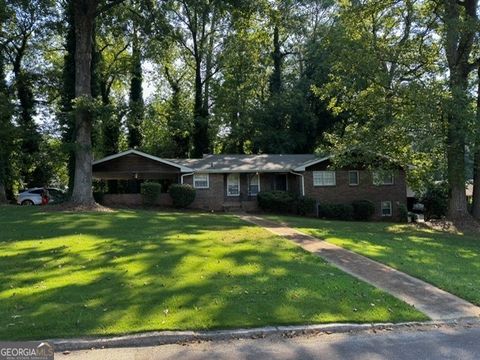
x=374, y=175
x=229, y=176
x=325, y=171
x=201, y=187
x=391, y=209
x=358, y=177
x=249, y=179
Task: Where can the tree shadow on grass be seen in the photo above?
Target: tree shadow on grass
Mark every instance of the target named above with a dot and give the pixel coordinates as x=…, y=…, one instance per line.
x=449, y=261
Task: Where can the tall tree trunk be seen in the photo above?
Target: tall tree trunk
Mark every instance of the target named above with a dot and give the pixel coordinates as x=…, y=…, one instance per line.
x=476, y=159
x=277, y=56
x=66, y=118
x=29, y=135
x=201, y=143
x=136, y=114
x=459, y=37
x=6, y=130
x=85, y=11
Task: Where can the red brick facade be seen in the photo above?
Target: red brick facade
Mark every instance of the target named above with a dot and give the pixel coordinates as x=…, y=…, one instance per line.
x=343, y=193
x=211, y=198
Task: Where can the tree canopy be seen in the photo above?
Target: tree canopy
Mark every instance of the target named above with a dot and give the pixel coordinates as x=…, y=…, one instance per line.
x=83, y=79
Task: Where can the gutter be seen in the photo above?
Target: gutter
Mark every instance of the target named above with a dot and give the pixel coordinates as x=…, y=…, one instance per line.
x=181, y=177
x=302, y=179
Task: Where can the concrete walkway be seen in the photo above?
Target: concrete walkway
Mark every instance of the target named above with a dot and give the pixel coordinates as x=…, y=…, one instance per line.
x=432, y=301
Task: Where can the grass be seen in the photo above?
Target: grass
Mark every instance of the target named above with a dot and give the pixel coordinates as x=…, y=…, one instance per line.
x=77, y=274
x=449, y=261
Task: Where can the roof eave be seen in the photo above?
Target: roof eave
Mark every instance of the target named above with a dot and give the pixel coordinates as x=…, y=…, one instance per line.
x=148, y=156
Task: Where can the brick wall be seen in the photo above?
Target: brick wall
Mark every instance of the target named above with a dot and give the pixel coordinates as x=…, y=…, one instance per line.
x=211, y=198
x=343, y=193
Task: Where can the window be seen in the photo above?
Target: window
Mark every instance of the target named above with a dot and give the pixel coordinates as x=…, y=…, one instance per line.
x=233, y=185
x=201, y=181
x=254, y=185
x=353, y=178
x=383, y=178
x=324, y=178
x=386, y=208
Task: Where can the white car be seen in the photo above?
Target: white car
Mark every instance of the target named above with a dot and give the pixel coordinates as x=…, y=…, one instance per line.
x=33, y=196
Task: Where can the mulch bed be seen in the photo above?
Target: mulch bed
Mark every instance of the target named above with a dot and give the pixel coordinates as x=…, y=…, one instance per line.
x=70, y=207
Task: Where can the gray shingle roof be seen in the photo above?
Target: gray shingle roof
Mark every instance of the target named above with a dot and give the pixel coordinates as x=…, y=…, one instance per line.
x=246, y=163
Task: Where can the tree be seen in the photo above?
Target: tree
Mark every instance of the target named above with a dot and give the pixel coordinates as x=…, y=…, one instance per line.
x=460, y=25
x=244, y=82
x=6, y=127
x=384, y=83
x=26, y=27
x=198, y=25
x=476, y=160
x=136, y=104
x=292, y=119
x=66, y=117
x=85, y=12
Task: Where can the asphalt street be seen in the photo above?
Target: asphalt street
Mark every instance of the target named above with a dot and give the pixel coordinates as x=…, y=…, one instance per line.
x=416, y=344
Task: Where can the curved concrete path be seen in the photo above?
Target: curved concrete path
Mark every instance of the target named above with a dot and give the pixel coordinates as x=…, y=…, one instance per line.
x=432, y=301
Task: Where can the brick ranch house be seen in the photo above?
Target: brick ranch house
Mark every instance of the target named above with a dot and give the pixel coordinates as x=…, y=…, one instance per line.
x=233, y=181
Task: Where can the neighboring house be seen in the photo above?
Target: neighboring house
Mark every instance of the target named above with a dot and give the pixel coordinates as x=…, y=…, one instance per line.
x=233, y=181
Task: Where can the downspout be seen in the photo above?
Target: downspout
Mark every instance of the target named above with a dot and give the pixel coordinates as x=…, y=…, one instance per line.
x=302, y=180
x=181, y=177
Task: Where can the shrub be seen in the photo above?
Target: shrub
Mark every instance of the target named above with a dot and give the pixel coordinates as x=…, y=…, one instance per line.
x=97, y=195
x=435, y=200
x=276, y=201
x=403, y=213
x=150, y=192
x=305, y=205
x=335, y=211
x=182, y=195
x=363, y=210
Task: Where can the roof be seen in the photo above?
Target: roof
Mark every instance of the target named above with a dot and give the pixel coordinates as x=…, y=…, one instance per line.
x=246, y=163
x=148, y=156
x=234, y=162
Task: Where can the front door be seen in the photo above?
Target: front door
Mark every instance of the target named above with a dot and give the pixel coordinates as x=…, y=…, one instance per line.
x=280, y=182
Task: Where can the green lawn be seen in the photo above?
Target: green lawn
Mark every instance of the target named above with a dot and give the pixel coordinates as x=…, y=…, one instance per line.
x=75, y=274
x=449, y=261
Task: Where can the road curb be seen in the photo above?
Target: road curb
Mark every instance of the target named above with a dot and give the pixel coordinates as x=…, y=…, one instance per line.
x=172, y=337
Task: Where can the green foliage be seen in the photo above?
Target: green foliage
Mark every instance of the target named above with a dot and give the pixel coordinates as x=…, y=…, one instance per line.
x=403, y=213
x=98, y=196
x=7, y=136
x=335, y=211
x=150, y=192
x=182, y=195
x=285, y=202
x=435, y=200
x=276, y=201
x=305, y=205
x=363, y=210
x=137, y=109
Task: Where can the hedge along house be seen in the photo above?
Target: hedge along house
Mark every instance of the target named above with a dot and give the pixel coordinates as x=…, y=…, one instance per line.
x=233, y=181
